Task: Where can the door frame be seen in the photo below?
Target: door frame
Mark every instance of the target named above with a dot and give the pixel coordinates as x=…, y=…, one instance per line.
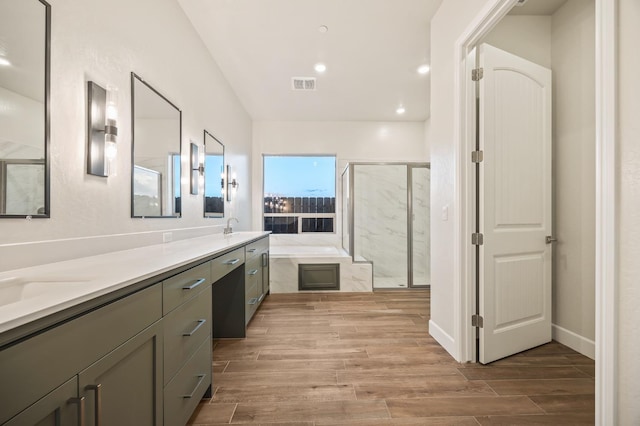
x=606, y=198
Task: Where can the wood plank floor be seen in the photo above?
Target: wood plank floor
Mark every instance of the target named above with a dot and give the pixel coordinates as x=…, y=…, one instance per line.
x=367, y=359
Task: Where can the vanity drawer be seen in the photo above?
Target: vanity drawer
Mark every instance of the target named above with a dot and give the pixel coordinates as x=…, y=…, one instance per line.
x=184, y=329
x=256, y=248
x=41, y=363
x=221, y=266
x=184, y=286
x=183, y=393
x=252, y=287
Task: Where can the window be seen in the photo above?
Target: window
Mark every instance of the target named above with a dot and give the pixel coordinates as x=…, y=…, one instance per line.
x=299, y=194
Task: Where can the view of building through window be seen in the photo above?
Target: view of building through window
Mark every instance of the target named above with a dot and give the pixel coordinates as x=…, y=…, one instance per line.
x=299, y=194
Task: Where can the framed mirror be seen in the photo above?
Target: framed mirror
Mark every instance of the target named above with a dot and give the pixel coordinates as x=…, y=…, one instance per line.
x=156, y=127
x=213, y=176
x=25, y=39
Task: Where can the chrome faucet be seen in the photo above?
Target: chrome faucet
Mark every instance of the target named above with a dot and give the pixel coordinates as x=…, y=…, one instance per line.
x=228, y=229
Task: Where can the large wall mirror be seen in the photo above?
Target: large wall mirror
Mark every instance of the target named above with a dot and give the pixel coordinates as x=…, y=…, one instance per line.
x=156, y=144
x=213, y=176
x=24, y=108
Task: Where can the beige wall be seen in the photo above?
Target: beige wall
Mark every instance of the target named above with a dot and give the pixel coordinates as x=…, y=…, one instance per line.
x=564, y=42
x=629, y=213
x=573, y=65
x=102, y=40
x=526, y=36
x=447, y=27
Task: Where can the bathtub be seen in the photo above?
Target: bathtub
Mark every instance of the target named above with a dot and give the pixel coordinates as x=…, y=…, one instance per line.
x=306, y=251
x=284, y=261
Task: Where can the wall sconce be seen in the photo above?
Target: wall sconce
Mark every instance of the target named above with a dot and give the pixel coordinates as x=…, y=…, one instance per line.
x=232, y=183
x=197, y=168
x=102, y=130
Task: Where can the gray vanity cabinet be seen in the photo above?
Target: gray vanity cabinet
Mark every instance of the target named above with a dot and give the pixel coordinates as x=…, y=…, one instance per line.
x=34, y=368
x=138, y=356
x=187, y=341
x=60, y=407
x=125, y=386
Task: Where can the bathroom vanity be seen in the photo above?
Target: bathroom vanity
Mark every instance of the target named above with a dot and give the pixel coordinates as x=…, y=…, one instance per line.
x=125, y=337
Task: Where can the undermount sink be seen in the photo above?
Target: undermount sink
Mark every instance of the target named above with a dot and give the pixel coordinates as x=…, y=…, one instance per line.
x=14, y=290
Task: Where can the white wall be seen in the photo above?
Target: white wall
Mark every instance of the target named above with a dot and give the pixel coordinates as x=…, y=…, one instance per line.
x=629, y=213
x=453, y=17
x=349, y=141
x=104, y=41
x=573, y=65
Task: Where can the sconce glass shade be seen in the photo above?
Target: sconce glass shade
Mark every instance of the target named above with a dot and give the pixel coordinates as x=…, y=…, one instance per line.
x=102, y=131
x=196, y=168
x=232, y=184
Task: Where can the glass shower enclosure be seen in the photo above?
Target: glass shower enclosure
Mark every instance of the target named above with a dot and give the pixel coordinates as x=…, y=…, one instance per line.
x=385, y=213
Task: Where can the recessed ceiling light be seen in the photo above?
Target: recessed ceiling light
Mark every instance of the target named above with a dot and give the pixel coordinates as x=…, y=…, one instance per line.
x=4, y=62
x=423, y=69
x=323, y=29
x=400, y=110
x=320, y=67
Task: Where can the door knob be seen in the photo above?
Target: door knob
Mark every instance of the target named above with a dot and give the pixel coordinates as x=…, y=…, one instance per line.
x=549, y=239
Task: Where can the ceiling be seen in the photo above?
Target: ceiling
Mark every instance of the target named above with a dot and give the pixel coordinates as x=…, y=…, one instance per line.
x=372, y=49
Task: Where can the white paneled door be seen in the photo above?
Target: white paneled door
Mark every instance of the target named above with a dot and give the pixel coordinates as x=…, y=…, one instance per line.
x=515, y=204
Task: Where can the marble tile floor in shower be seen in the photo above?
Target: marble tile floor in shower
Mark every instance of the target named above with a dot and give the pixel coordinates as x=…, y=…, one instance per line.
x=366, y=359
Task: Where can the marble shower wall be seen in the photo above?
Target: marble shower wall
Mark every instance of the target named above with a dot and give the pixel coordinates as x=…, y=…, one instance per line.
x=380, y=216
x=421, y=187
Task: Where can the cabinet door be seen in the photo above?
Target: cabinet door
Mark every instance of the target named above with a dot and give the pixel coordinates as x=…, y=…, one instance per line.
x=58, y=408
x=125, y=386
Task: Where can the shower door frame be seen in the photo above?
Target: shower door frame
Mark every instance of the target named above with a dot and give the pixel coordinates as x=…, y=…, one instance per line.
x=410, y=166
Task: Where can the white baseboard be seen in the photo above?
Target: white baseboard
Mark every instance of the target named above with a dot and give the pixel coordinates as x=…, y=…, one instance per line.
x=444, y=339
x=576, y=342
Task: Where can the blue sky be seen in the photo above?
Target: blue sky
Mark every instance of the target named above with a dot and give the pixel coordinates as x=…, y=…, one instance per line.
x=303, y=176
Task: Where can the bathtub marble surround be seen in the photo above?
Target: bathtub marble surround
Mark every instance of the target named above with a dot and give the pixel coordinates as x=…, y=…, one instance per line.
x=287, y=251
x=283, y=271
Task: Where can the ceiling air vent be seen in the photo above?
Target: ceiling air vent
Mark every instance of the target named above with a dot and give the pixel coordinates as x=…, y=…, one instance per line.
x=303, y=83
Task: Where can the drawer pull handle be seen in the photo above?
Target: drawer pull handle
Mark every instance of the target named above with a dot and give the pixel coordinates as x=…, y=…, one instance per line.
x=195, y=284
x=261, y=297
x=253, y=301
x=98, y=401
x=265, y=259
x=80, y=402
x=232, y=262
x=192, y=332
x=200, y=379
x=253, y=272
x=252, y=250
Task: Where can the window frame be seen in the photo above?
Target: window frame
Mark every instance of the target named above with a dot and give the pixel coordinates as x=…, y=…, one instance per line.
x=300, y=216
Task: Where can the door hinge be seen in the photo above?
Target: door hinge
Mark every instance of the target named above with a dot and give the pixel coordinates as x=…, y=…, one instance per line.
x=477, y=239
x=477, y=156
x=477, y=321
x=477, y=74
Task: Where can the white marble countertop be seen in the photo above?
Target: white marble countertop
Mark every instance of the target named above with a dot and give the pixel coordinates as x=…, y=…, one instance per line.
x=33, y=293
